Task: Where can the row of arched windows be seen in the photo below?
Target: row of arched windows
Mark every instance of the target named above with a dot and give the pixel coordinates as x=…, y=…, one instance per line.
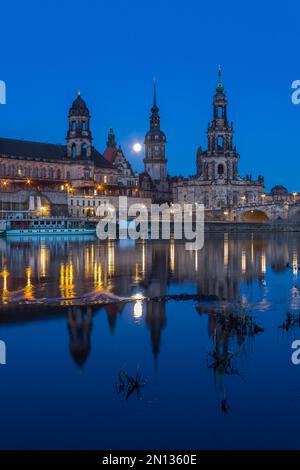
x=12, y=170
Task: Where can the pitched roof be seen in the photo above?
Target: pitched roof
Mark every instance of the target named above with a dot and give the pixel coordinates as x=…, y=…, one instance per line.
x=110, y=154
x=44, y=151
x=99, y=160
x=29, y=149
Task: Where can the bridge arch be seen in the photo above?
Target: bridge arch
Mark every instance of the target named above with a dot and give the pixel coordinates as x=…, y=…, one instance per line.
x=254, y=215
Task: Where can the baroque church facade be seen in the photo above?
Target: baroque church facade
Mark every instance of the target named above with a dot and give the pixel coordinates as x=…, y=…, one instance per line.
x=217, y=183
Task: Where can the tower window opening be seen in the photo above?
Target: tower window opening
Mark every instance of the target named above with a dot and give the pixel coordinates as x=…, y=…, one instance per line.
x=84, y=150
x=220, y=169
x=84, y=125
x=73, y=126
x=73, y=151
x=220, y=112
x=220, y=141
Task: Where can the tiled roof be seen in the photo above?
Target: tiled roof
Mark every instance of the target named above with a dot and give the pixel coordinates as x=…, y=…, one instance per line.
x=110, y=154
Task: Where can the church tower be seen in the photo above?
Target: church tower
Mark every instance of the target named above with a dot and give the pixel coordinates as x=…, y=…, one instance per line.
x=155, y=162
x=79, y=138
x=111, y=139
x=220, y=161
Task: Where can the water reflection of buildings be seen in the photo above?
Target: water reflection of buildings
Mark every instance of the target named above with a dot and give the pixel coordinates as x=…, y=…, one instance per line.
x=66, y=267
x=80, y=326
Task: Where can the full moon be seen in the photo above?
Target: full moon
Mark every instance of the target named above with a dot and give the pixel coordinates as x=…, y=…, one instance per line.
x=137, y=147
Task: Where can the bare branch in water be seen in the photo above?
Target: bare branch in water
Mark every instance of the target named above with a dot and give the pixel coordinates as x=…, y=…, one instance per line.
x=130, y=384
x=291, y=321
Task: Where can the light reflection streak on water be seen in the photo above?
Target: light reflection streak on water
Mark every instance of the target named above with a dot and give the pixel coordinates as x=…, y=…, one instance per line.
x=52, y=269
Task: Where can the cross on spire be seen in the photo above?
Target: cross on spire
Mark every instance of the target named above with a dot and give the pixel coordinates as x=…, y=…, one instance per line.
x=220, y=86
x=154, y=92
x=219, y=73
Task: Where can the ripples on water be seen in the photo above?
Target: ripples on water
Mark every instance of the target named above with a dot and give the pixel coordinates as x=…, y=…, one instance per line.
x=76, y=311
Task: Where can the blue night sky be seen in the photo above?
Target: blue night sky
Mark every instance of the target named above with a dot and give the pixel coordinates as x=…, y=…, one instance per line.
x=112, y=50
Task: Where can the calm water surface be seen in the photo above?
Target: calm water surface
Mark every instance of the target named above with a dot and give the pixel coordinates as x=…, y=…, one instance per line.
x=59, y=386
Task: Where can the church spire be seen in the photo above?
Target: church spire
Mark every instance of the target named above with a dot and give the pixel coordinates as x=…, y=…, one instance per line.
x=155, y=153
x=220, y=85
x=111, y=139
x=154, y=92
x=154, y=118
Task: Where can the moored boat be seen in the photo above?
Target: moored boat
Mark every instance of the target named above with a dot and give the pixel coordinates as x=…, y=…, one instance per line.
x=48, y=226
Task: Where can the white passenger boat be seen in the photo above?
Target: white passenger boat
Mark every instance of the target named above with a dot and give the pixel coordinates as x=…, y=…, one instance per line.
x=48, y=226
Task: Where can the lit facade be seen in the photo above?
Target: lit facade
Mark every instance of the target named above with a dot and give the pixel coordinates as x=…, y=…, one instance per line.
x=217, y=183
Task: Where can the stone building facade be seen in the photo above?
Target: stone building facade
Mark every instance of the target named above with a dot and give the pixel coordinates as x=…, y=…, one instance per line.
x=38, y=166
x=217, y=183
x=83, y=205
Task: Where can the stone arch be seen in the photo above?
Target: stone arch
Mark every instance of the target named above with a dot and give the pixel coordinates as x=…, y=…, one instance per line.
x=220, y=169
x=254, y=215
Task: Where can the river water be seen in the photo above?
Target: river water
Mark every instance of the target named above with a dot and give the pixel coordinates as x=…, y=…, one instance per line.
x=79, y=317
